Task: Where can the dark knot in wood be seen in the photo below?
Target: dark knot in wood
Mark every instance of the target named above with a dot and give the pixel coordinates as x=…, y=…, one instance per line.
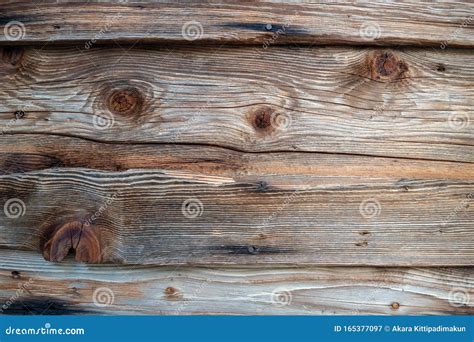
x=76, y=236
x=386, y=66
x=126, y=101
x=261, y=119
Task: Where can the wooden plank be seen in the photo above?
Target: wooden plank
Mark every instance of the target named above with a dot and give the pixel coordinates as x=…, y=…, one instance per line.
x=20, y=153
x=406, y=103
x=235, y=216
x=375, y=22
x=30, y=285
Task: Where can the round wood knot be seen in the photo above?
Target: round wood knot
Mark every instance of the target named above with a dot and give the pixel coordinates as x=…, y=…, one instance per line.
x=170, y=291
x=126, y=101
x=395, y=305
x=73, y=236
x=262, y=118
x=386, y=66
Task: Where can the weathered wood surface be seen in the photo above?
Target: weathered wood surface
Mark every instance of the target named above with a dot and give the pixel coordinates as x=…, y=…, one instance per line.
x=20, y=153
x=382, y=23
x=137, y=216
x=40, y=287
x=406, y=103
x=191, y=157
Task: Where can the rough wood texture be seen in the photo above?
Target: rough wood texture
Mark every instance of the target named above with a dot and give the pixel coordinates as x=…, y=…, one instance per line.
x=405, y=103
x=381, y=22
x=191, y=156
x=68, y=288
x=20, y=153
x=148, y=216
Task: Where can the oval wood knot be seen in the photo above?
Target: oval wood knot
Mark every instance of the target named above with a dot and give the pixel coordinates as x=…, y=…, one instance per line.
x=386, y=66
x=262, y=119
x=127, y=101
x=73, y=236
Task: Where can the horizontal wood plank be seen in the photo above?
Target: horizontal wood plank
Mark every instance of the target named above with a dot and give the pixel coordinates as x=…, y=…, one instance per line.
x=261, y=22
x=192, y=205
x=20, y=153
x=30, y=285
x=399, y=103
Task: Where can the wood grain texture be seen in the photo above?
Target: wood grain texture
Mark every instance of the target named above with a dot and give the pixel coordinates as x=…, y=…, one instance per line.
x=375, y=22
x=399, y=103
x=40, y=287
x=20, y=153
x=169, y=217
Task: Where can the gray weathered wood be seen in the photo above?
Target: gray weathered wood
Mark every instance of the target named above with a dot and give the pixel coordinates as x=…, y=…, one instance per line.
x=68, y=288
x=376, y=22
x=137, y=216
x=408, y=103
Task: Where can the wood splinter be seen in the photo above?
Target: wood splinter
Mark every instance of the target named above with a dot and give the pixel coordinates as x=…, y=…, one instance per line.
x=73, y=236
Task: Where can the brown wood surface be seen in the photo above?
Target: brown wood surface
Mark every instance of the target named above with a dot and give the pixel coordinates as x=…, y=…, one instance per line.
x=376, y=22
x=405, y=103
x=69, y=288
x=237, y=158
x=249, y=209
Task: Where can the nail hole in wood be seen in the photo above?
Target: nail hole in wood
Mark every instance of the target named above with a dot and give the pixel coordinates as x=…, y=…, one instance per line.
x=252, y=250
